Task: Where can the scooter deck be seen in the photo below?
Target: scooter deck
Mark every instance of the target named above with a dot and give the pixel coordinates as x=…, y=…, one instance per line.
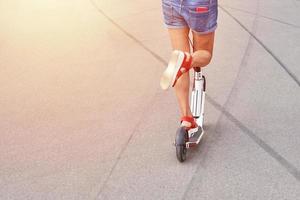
x=190, y=144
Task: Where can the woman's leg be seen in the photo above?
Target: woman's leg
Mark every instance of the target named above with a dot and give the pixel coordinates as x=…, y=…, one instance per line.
x=180, y=41
x=203, y=49
x=202, y=54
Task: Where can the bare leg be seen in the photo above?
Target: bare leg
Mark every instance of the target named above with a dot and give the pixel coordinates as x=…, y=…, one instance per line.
x=179, y=41
x=203, y=49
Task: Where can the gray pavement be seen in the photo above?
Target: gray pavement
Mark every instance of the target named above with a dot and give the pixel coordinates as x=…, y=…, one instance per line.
x=82, y=115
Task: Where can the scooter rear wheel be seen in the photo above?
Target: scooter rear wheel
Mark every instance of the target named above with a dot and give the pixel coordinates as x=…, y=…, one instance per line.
x=180, y=143
x=181, y=153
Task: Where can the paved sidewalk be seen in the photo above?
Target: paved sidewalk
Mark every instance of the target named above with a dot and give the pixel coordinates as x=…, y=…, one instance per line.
x=83, y=117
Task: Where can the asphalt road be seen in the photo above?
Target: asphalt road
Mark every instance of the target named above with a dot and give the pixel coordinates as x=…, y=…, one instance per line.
x=82, y=115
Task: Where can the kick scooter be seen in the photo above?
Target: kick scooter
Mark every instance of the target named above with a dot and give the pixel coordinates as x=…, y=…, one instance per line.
x=184, y=139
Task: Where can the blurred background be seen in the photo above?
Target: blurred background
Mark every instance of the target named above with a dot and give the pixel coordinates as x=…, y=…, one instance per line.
x=82, y=115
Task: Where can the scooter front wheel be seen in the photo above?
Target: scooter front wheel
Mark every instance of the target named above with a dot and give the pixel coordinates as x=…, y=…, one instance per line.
x=180, y=143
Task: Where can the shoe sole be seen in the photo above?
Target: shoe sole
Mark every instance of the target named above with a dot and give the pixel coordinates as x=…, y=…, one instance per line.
x=169, y=75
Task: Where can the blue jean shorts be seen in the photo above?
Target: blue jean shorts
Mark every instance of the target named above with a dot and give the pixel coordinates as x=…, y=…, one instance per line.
x=199, y=15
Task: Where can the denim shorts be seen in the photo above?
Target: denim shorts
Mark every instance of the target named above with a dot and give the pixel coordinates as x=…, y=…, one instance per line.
x=199, y=15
